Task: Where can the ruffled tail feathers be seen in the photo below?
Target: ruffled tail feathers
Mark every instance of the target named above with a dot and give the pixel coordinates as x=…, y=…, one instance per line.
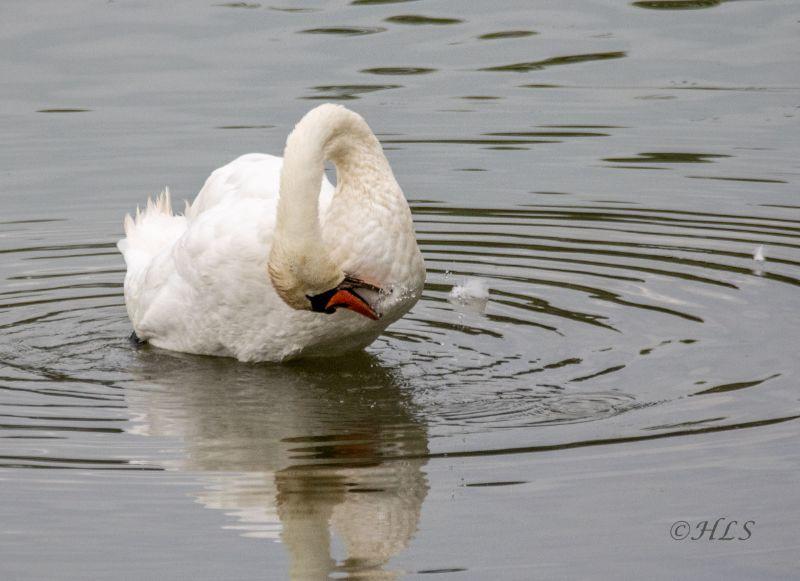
x=150, y=229
x=161, y=204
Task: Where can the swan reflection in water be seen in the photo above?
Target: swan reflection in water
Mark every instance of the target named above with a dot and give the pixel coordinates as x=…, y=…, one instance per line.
x=304, y=453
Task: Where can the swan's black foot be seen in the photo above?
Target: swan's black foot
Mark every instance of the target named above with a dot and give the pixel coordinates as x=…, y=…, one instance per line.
x=135, y=341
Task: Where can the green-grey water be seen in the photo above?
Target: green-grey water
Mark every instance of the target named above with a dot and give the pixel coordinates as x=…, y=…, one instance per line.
x=609, y=169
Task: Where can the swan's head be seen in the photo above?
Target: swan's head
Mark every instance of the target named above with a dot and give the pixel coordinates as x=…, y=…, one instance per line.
x=315, y=283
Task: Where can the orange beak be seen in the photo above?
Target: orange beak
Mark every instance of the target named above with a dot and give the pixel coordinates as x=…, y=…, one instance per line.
x=347, y=299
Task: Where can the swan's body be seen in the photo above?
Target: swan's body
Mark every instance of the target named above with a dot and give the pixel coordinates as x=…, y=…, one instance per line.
x=240, y=272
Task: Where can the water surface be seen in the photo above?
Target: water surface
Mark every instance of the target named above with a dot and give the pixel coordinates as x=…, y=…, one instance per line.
x=608, y=169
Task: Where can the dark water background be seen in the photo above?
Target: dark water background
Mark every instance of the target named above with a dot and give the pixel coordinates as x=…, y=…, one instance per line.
x=608, y=168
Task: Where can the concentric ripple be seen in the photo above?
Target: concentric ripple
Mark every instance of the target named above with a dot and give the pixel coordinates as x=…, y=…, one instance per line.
x=594, y=310
x=605, y=194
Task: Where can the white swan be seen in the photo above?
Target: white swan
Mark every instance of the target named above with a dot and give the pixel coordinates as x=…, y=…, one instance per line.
x=270, y=262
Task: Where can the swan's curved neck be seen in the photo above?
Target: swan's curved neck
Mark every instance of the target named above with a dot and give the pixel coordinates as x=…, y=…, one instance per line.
x=328, y=132
x=299, y=257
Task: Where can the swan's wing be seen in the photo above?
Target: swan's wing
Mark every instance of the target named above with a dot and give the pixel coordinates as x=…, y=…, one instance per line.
x=179, y=266
x=205, y=290
x=254, y=175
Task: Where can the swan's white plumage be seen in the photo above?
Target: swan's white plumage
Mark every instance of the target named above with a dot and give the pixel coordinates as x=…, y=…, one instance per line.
x=198, y=282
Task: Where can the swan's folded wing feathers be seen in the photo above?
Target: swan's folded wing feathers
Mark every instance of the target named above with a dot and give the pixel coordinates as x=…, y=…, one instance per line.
x=254, y=175
x=218, y=276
